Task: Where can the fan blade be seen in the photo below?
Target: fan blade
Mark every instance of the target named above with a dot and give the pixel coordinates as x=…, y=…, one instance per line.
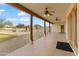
x=51, y=14
x=52, y=11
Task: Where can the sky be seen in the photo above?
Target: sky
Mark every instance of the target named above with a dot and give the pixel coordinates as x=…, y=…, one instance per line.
x=17, y=16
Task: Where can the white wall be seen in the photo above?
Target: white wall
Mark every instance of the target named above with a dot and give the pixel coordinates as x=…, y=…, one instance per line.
x=56, y=28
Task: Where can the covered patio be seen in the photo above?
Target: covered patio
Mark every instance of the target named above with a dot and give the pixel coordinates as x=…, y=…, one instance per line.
x=45, y=46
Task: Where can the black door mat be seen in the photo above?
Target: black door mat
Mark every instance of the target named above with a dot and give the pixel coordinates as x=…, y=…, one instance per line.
x=64, y=46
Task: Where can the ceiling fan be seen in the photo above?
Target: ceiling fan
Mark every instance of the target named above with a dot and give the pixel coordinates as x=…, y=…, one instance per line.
x=57, y=21
x=48, y=13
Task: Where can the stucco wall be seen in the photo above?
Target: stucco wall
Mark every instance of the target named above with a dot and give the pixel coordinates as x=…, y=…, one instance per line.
x=78, y=26
x=71, y=28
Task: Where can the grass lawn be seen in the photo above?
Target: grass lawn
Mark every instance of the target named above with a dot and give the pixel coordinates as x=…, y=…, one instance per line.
x=5, y=37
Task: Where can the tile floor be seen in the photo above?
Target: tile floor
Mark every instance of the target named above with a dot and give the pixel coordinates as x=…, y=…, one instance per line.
x=45, y=46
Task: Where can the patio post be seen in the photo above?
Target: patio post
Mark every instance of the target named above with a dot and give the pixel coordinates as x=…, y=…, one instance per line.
x=45, y=28
x=31, y=29
x=49, y=28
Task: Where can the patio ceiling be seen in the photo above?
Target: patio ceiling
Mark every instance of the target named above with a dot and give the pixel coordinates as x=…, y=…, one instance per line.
x=60, y=9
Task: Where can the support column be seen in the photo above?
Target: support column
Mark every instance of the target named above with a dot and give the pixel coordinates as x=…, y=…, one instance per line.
x=31, y=29
x=49, y=28
x=45, y=28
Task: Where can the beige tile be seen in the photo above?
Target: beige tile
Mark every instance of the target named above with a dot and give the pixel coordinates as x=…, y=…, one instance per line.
x=45, y=46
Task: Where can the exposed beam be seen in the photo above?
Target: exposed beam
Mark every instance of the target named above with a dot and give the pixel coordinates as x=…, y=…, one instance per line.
x=19, y=6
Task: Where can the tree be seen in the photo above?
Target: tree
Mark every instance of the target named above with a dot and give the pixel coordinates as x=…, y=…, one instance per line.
x=20, y=26
x=8, y=23
x=1, y=23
